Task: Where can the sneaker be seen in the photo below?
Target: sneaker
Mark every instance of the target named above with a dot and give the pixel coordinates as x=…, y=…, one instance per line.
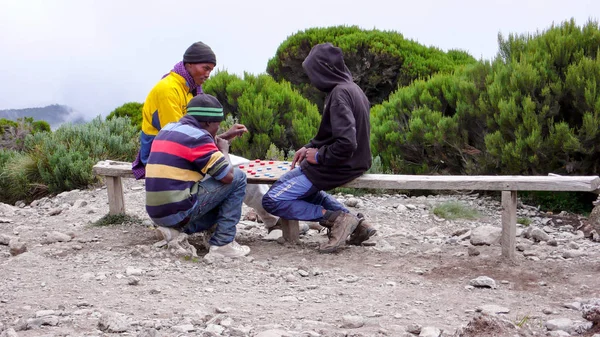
x=177, y=242
x=232, y=249
x=362, y=233
x=343, y=225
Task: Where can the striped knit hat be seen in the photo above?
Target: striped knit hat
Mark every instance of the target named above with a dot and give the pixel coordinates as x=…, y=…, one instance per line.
x=205, y=108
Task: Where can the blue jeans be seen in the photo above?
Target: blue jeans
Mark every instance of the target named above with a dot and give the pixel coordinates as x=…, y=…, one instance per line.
x=294, y=197
x=219, y=204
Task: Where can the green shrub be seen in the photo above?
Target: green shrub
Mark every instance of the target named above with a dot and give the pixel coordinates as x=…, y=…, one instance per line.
x=132, y=110
x=534, y=110
x=19, y=178
x=117, y=219
x=380, y=61
x=455, y=210
x=64, y=159
x=434, y=125
x=524, y=221
x=556, y=202
x=13, y=133
x=272, y=112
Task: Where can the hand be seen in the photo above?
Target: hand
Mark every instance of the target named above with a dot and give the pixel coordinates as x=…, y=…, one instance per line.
x=299, y=155
x=222, y=144
x=310, y=155
x=236, y=130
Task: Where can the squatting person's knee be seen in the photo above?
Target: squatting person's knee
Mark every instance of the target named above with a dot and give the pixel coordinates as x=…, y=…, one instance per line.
x=268, y=203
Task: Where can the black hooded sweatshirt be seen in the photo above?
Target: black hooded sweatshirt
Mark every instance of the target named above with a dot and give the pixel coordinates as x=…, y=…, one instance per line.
x=343, y=138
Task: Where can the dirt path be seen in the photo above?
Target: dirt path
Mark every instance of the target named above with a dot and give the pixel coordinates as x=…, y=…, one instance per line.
x=76, y=279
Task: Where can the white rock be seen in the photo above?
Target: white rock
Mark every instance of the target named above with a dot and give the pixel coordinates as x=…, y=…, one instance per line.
x=131, y=271
x=493, y=309
x=485, y=235
x=112, y=322
x=184, y=328
x=563, y=324
x=272, y=333
x=482, y=282
x=429, y=331
x=352, y=322
x=214, y=329
x=54, y=237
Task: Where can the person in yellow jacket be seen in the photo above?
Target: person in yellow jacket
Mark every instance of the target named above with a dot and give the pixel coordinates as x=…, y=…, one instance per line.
x=167, y=102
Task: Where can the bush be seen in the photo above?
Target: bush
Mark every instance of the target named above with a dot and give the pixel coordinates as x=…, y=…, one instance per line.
x=272, y=112
x=132, y=110
x=64, y=159
x=19, y=179
x=434, y=125
x=534, y=110
x=13, y=133
x=379, y=61
x=455, y=210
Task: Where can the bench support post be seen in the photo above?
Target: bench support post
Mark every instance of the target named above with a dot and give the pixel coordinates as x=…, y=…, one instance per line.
x=116, y=201
x=291, y=230
x=509, y=223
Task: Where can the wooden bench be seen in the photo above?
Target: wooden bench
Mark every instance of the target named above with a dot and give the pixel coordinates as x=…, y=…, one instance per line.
x=113, y=171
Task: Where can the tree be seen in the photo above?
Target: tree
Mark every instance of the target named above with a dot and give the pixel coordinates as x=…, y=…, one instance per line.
x=273, y=112
x=132, y=110
x=380, y=61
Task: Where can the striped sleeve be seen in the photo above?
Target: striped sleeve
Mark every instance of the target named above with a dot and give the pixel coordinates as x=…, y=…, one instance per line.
x=217, y=166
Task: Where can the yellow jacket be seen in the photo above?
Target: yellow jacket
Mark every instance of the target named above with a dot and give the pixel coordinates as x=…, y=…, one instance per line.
x=166, y=103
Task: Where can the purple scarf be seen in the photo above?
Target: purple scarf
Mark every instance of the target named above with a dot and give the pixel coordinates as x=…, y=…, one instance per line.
x=179, y=69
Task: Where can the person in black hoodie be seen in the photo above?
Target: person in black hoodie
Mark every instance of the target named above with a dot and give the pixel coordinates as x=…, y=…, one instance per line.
x=339, y=153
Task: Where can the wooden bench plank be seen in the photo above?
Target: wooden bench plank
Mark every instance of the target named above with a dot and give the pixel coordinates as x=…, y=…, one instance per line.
x=423, y=182
x=113, y=171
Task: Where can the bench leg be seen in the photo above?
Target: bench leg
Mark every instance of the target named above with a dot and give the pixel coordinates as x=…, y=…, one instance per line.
x=509, y=223
x=291, y=231
x=116, y=201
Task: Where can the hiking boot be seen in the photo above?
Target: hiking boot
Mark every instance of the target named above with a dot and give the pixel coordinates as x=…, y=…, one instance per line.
x=343, y=225
x=232, y=249
x=363, y=232
x=177, y=242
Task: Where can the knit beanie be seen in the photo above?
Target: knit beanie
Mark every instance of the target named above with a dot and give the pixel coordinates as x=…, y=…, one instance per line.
x=199, y=53
x=205, y=108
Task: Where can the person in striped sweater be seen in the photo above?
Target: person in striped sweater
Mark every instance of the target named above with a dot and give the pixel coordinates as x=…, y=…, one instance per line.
x=191, y=185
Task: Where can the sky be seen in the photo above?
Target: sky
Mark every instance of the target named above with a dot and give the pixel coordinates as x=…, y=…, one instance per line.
x=96, y=55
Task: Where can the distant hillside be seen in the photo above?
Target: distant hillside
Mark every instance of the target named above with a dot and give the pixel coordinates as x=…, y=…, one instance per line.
x=54, y=114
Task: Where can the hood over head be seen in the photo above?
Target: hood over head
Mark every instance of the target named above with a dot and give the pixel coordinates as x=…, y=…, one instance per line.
x=325, y=67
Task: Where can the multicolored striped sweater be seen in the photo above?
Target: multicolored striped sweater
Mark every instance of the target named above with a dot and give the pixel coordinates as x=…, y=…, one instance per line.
x=182, y=154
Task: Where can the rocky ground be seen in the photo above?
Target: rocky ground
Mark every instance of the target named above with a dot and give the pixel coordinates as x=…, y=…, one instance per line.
x=426, y=276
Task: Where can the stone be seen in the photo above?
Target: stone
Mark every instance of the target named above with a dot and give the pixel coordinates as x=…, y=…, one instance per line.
x=591, y=311
x=430, y=332
x=472, y=251
x=485, y=235
x=572, y=254
x=112, y=322
x=352, y=202
x=563, y=324
x=539, y=235
x=483, y=282
x=185, y=328
x=352, y=322
x=414, y=328
x=492, y=309
x=272, y=333
x=54, y=237
x=16, y=247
